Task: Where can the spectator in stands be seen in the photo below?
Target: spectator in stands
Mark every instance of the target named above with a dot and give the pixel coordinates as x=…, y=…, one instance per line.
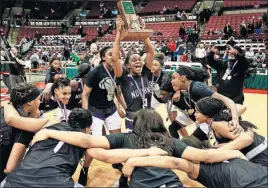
x=80, y=30
x=251, y=27
x=220, y=12
x=164, y=10
x=259, y=59
x=259, y=26
x=166, y=50
x=34, y=60
x=182, y=31
x=243, y=30
x=200, y=53
x=178, y=17
x=231, y=41
x=38, y=36
x=249, y=54
x=5, y=69
x=54, y=72
x=17, y=73
x=228, y=31
x=94, y=58
x=265, y=18
x=99, y=30
x=172, y=47
x=67, y=50
x=211, y=32
x=184, y=57
x=176, y=9
x=230, y=74
x=183, y=15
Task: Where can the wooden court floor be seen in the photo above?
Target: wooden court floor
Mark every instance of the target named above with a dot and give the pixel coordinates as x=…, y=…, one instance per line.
x=103, y=175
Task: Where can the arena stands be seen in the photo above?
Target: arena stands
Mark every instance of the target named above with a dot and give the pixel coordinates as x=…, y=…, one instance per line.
x=239, y=4
x=156, y=6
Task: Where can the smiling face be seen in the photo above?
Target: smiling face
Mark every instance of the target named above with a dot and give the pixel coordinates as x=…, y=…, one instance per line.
x=177, y=81
x=135, y=64
x=156, y=67
x=63, y=94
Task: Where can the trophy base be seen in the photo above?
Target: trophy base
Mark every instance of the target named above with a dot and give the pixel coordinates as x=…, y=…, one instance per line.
x=137, y=35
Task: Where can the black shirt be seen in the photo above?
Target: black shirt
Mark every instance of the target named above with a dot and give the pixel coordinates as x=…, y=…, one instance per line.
x=16, y=69
x=102, y=94
x=49, y=163
x=233, y=87
x=75, y=97
x=51, y=72
x=200, y=90
x=148, y=176
x=10, y=136
x=235, y=173
x=130, y=91
x=261, y=158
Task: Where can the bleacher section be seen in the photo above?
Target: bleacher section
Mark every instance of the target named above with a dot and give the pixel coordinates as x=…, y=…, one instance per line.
x=239, y=4
x=218, y=23
x=31, y=31
x=155, y=6
x=168, y=29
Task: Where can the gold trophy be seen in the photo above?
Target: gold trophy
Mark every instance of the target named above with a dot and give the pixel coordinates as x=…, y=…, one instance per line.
x=131, y=22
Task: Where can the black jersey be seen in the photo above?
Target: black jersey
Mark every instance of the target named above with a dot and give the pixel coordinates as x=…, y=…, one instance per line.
x=49, y=163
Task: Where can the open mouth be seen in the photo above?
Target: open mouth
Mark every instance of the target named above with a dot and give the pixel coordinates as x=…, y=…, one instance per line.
x=138, y=67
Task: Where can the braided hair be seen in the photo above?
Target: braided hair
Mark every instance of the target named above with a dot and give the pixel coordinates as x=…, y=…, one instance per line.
x=59, y=83
x=22, y=93
x=214, y=108
x=193, y=73
x=80, y=118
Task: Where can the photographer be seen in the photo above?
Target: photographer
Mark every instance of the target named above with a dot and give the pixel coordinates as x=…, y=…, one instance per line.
x=16, y=70
x=4, y=67
x=231, y=73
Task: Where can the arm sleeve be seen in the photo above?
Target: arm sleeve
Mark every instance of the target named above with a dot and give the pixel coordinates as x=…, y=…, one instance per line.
x=179, y=148
x=24, y=137
x=215, y=64
x=202, y=90
x=116, y=140
x=145, y=72
x=123, y=80
x=90, y=79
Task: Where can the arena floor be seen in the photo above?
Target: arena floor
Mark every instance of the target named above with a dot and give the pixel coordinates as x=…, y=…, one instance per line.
x=103, y=175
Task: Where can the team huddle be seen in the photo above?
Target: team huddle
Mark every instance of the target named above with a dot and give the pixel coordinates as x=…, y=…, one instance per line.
x=146, y=151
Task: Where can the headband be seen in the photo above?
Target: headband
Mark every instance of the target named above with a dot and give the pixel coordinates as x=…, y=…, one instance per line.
x=34, y=93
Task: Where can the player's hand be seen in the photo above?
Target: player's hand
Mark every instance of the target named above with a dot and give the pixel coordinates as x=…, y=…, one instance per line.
x=234, y=127
x=128, y=169
x=176, y=96
x=40, y=135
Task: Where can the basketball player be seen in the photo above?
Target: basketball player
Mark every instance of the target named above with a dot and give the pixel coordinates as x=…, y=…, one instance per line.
x=149, y=131
x=232, y=173
x=251, y=144
x=14, y=141
x=61, y=92
x=192, y=80
x=134, y=82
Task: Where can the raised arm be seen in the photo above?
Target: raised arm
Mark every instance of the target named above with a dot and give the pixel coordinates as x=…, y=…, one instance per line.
x=115, y=156
x=116, y=48
x=229, y=103
x=13, y=119
x=149, y=53
x=74, y=138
